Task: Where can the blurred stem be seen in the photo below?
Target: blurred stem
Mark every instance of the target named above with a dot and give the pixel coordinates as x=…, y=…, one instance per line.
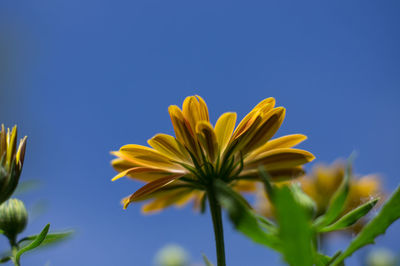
x=215, y=209
x=14, y=250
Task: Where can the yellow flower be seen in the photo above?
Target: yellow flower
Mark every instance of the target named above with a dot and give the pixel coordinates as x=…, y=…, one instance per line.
x=11, y=161
x=179, y=169
x=323, y=182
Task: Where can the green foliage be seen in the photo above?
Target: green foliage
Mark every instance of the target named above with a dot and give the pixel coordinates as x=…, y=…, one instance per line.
x=295, y=231
x=244, y=219
x=294, y=234
x=351, y=217
x=389, y=213
x=293, y=239
x=321, y=259
x=51, y=238
x=337, y=202
x=34, y=244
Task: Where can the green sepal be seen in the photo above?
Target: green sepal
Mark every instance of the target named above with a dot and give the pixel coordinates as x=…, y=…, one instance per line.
x=389, y=213
x=351, y=217
x=34, y=244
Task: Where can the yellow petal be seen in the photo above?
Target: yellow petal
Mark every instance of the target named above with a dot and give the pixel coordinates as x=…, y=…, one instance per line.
x=151, y=187
x=245, y=136
x=266, y=104
x=288, y=141
x=195, y=110
x=12, y=143
x=3, y=141
x=277, y=175
x=121, y=165
x=206, y=135
x=224, y=129
x=266, y=130
x=182, y=129
x=366, y=187
x=287, y=174
x=246, y=122
x=260, y=109
x=141, y=173
x=169, y=146
x=178, y=197
x=21, y=151
x=281, y=159
x=245, y=186
x=146, y=156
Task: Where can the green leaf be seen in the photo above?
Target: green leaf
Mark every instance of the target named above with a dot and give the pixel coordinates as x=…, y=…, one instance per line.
x=295, y=229
x=389, y=213
x=206, y=261
x=321, y=259
x=337, y=202
x=243, y=218
x=5, y=259
x=266, y=223
x=351, y=217
x=1, y=232
x=26, y=186
x=35, y=243
x=51, y=238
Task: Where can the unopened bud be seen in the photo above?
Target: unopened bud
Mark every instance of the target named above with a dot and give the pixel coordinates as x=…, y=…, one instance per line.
x=13, y=217
x=381, y=257
x=172, y=255
x=11, y=161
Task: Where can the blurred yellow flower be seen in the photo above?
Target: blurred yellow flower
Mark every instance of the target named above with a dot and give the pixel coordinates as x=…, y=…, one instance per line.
x=322, y=183
x=179, y=169
x=11, y=161
x=325, y=180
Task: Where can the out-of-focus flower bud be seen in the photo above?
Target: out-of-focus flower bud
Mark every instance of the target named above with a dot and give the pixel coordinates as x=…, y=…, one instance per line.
x=13, y=217
x=11, y=161
x=172, y=255
x=381, y=257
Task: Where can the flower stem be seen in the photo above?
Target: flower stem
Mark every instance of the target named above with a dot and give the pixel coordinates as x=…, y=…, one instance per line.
x=215, y=209
x=14, y=250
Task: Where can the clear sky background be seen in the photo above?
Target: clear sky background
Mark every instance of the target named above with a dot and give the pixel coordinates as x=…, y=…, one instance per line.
x=81, y=78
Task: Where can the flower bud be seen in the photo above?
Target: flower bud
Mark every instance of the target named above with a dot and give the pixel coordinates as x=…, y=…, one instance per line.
x=11, y=161
x=172, y=255
x=381, y=257
x=13, y=217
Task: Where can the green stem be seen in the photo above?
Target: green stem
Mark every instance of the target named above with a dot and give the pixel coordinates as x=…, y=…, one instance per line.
x=14, y=250
x=215, y=209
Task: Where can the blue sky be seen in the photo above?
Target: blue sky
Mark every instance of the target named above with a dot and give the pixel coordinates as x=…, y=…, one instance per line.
x=82, y=78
